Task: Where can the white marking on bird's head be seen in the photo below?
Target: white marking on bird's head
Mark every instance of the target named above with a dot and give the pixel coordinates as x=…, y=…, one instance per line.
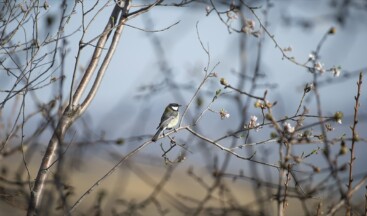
x=174, y=106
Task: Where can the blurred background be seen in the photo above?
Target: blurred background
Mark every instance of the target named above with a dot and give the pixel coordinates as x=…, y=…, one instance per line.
x=159, y=60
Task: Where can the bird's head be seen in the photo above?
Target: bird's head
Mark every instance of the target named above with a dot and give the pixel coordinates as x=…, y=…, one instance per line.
x=174, y=106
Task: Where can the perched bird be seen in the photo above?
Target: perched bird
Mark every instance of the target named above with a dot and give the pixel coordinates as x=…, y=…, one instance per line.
x=169, y=119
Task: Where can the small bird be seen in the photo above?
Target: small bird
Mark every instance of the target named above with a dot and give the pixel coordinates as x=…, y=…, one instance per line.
x=169, y=119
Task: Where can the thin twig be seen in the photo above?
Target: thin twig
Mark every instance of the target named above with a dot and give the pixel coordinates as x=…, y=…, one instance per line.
x=207, y=75
x=111, y=171
x=354, y=140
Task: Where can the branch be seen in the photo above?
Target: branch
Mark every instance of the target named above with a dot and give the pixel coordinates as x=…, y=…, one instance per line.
x=228, y=150
x=342, y=201
x=354, y=140
x=73, y=111
x=95, y=58
x=107, y=59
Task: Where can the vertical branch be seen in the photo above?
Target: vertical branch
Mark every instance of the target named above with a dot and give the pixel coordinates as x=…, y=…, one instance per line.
x=74, y=100
x=287, y=166
x=22, y=139
x=107, y=58
x=355, y=138
x=319, y=209
x=73, y=111
x=280, y=181
x=326, y=141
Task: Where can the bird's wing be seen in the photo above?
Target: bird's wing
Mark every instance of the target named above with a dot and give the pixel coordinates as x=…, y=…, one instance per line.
x=164, y=123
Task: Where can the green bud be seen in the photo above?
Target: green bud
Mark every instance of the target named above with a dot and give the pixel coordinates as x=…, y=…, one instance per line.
x=338, y=116
x=120, y=141
x=199, y=101
x=258, y=104
x=356, y=137
x=273, y=135
x=269, y=117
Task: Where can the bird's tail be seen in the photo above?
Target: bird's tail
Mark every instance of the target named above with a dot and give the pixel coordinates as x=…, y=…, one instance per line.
x=156, y=135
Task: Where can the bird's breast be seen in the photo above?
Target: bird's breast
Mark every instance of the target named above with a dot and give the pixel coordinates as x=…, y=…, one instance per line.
x=173, y=122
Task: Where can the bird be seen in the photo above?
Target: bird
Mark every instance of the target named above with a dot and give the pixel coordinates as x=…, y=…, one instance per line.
x=169, y=119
